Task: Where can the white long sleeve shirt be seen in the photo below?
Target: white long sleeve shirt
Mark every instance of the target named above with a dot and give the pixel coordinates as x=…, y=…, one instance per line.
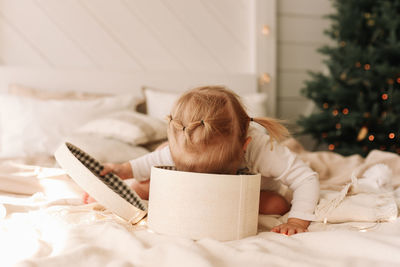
x=277, y=163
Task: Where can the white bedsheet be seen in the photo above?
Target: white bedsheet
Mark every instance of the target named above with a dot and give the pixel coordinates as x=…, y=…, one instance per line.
x=52, y=227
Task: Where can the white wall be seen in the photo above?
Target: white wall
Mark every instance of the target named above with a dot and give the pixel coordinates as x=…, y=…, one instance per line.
x=300, y=33
x=128, y=35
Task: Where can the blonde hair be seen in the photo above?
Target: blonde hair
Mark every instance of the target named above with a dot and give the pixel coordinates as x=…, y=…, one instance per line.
x=208, y=129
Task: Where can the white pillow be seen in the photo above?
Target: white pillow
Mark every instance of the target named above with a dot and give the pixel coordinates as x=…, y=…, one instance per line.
x=256, y=104
x=127, y=126
x=159, y=103
x=26, y=91
x=106, y=149
x=32, y=126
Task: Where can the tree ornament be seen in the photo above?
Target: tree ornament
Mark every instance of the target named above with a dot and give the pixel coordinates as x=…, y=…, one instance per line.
x=371, y=22
x=362, y=133
x=336, y=33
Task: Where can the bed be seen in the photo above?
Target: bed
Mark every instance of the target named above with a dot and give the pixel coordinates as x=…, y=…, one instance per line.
x=57, y=84
x=44, y=221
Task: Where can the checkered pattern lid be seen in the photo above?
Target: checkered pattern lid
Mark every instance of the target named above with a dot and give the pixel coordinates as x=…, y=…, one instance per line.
x=110, y=179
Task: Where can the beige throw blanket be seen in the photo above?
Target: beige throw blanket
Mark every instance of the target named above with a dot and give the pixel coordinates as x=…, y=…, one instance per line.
x=354, y=188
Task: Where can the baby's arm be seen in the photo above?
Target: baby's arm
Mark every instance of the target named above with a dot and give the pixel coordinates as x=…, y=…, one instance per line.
x=122, y=170
x=140, y=168
x=281, y=163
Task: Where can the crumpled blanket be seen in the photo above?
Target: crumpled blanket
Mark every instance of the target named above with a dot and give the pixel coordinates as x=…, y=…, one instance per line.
x=367, y=199
x=52, y=227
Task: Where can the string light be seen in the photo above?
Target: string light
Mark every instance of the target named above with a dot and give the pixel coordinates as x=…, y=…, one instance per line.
x=390, y=81
x=358, y=64
x=338, y=126
x=324, y=135
x=335, y=112
x=265, y=79
x=371, y=22
x=392, y=135
x=331, y=147
x=385, y=96
x=342, y=43
x=362, y=134
x=382, y=148
x=266, y=30
x=367, y=66
x=398, y=80
x=371, y=137
x=325, y=105
x=345, y=111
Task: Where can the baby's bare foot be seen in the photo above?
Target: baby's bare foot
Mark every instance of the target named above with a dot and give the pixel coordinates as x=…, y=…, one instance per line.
x=88, y=199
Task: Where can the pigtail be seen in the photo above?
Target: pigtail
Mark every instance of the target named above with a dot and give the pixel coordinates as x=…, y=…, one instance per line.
x=274, y=127
x=187, y=130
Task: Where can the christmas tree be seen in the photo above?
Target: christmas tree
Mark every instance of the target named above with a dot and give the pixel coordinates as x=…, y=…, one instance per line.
x=359, y=100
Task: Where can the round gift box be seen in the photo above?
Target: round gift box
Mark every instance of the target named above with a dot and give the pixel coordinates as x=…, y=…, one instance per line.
x=109, y=190
x=201, y=205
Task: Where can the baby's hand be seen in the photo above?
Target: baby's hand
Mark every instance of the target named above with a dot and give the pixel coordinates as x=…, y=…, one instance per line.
x=293, y=226
x=123, y=170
